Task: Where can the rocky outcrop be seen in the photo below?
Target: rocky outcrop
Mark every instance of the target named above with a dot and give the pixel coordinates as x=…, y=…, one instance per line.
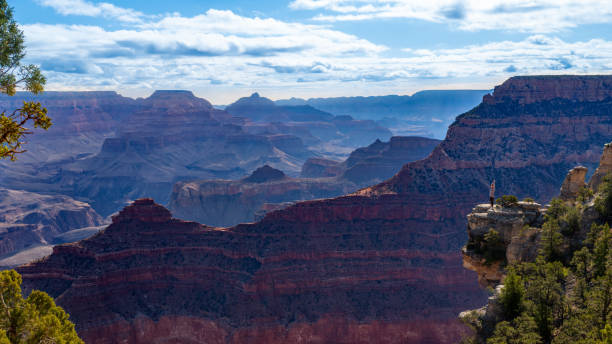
x=28, y=219
x=604, y=168
x=265, y=174
x=506, y=236
x=573, y=183
x=386, y=257
x=501, y=235
x=227, y=203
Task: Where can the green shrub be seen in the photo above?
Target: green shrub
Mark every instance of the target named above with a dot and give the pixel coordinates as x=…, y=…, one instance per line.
x=603, y=202
x=572, y=217
x=493, y=246
x=556, y=209
x=584, y=194
x=507, y=201
x=528, y=199
x=511, y=297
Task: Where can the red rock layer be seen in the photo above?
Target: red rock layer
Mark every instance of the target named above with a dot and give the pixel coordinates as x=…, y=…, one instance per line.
x=262, y=283
x=187, y=330
x=388, y=254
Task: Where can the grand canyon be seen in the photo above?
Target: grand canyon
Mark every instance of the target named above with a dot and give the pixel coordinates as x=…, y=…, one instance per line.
x=305, y=171
x=383, y=262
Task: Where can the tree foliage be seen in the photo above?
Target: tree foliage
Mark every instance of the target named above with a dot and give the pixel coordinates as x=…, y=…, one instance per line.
x=15, y=75
x=33, y=320
x=507, y=201
x=512, y=296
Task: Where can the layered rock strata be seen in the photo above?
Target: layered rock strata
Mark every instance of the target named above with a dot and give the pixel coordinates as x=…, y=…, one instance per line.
x=149, y=277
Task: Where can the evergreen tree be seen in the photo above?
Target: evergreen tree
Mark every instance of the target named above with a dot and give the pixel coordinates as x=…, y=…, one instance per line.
x=14, y=75
x=33, y=320
x=511, y=297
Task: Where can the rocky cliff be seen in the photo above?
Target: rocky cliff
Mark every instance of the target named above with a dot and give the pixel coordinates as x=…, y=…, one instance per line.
x=382, y=264
x=148, y=277
x=28, y=219
x=227, y=203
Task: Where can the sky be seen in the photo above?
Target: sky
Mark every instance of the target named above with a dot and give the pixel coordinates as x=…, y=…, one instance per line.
x=226, y=49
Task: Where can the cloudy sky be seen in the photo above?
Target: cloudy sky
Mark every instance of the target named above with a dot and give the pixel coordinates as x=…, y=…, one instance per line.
x=224, y=49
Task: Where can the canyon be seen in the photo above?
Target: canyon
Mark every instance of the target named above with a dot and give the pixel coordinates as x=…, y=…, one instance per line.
x=227, y=203
x=381, y=263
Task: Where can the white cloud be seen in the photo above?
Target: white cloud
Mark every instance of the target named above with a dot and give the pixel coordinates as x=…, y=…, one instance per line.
x=542, y=16
x=220, y=50
x=86, y=8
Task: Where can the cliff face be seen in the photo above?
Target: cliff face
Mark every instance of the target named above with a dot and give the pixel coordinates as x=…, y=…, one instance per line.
x=227, y=203
x=382, y=264
x=535, y=89
x=150, y=276
x=515, y=238
x=28, y=219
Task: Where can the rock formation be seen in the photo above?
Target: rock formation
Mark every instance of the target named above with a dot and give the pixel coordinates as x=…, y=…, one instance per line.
x=28, y=219
x=534, y=89
x=513, y=237
x=522, y=236
x=382, y=264
x=574, y=181
x=148, y=277
x=604, y=168
x=81, y=122
x=227, y=203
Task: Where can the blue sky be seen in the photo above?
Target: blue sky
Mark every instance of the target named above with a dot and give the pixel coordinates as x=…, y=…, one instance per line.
x=222, y=50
